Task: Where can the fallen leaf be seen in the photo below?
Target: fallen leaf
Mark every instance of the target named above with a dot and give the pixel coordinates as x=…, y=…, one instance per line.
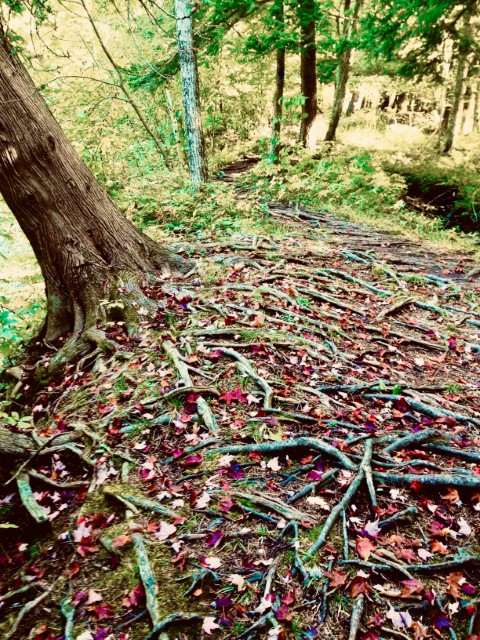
x=202, y=501
x=212, y=562
x=273, y=464
x=93, y=596
x=165, y=531
x=237, y=580
x=364, y=547
x=209, y=625
x=319, y=502
x=400, y=619
x=337, y=578
x=121, y=541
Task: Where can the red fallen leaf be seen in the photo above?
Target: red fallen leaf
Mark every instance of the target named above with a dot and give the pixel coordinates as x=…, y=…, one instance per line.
x=468, y=589
x=254, y=455
x=416, y=485
x=452, y=343
x=452, y=496
x=180, y=560
x=283, y=613
x=226, y=504
x=454, y=581
x=234, y=395
x=411, y=587
x=337, y=578
x=103, y=409
x=440, y=620
x=359, y=585
x=289, y=598
x=370, y=635
x=258, y=321
x=152, y=527
x=83, y=549
x=364, y=547
x=439, y=547
x=406, y=554
x=121, y=541
x=214, y=539
x=192, y=460
x=72, y=569
x=135, y=597
x=104, y=611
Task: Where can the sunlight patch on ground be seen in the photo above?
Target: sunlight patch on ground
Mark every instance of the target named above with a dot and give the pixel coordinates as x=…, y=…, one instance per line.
x=20, y=278
x=395, y=137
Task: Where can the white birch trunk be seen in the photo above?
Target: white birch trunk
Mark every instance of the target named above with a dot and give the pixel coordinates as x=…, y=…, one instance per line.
x=191, y=93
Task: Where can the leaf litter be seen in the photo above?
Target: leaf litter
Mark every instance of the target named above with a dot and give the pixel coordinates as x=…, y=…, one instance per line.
x=301, y=460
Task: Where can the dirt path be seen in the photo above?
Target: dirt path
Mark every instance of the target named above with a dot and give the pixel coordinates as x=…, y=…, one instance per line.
x=364, y=244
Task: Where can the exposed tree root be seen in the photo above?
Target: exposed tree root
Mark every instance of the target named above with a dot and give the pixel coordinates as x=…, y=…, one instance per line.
x=339, y=435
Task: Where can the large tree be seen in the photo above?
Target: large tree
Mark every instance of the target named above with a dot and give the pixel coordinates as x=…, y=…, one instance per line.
x=93, y=260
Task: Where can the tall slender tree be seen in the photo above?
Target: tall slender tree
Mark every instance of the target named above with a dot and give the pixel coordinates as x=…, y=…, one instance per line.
x=278, y=15
x=306, y=12
x=465, y=44
x=191, y=93
x=345, y=46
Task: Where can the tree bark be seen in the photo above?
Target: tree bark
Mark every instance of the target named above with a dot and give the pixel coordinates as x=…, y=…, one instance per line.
x=446, y=66
x=344, y=66
x=464, y=49
x=476, y=111
x=89, y=253
x=191, y=93
x=279, y=18
x=469, y=115
x=308, y=70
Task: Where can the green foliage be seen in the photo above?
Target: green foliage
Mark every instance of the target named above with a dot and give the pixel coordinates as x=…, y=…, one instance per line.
x=15, y=420
x=15, y=326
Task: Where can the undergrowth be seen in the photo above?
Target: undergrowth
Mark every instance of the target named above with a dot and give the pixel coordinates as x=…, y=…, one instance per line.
x=367, y=188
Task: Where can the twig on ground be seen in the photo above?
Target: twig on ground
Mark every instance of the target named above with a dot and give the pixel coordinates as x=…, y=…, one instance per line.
x=143, y=503
x=278, y=507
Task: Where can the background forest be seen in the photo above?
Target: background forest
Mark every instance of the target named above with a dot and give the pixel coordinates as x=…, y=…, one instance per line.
x=396, y=85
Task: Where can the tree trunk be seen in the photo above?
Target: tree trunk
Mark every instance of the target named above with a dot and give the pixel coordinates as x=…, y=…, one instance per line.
x=308, y=70
x=89, y=253
x=278, y=16
x=446, y=66
x=464, y=48
x=191, y=93
x=468, y=124
x=476, y=112
x=344, y=65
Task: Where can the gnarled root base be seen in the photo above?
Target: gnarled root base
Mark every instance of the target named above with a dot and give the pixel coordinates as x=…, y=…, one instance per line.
x=76, y=319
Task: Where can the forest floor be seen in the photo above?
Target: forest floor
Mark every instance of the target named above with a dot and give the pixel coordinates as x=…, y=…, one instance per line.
x=288, y=450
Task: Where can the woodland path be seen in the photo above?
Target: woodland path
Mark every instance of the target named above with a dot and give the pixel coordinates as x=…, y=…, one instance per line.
x=402, y=253
x=288, y=449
